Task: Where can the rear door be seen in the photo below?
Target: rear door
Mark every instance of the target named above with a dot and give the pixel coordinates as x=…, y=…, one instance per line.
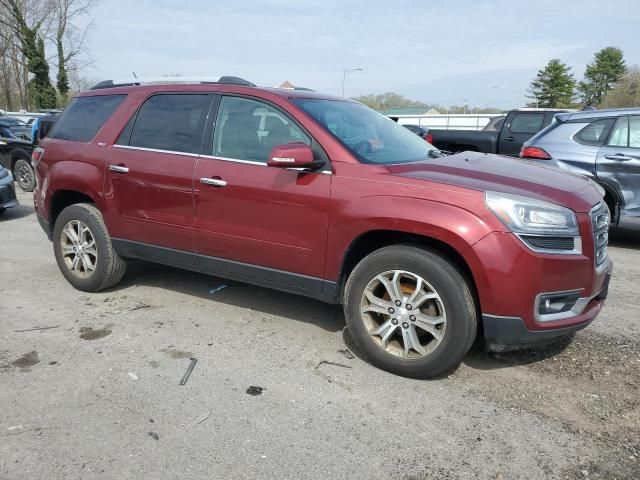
x=618, y=163
x=517, y=129
x=253, y=220
x=149, y=174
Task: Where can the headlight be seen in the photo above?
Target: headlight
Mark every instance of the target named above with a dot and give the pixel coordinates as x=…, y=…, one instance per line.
x=528, y=216
x=3, y=172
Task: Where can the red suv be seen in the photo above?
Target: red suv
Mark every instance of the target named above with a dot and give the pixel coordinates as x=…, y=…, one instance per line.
x=323, y=197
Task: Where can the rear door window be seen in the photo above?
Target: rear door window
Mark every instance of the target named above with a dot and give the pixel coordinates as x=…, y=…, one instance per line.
x=595, y=133
x=171, y=122
x=527, y=123
x=620, y=134
x=85, y=116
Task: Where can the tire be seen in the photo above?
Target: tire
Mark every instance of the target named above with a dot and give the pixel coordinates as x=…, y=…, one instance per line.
x=449, y=301
x=23, y=174
x=108, y=267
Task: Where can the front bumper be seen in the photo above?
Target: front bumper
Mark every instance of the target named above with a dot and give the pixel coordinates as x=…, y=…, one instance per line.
x=7, y=193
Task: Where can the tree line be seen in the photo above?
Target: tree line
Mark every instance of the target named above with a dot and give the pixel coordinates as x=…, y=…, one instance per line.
x=607, y=82
x=29, y=31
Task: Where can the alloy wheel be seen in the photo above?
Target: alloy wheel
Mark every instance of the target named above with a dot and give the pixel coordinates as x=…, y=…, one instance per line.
x=24, y=175
x=79, y=249
x=403, y=314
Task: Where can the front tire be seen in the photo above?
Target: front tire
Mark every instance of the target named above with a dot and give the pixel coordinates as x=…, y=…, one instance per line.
x=24, y=175
x=410, y=311
x=83, y=249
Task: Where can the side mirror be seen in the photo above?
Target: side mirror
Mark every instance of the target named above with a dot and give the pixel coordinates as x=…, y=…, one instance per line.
x=291, y=155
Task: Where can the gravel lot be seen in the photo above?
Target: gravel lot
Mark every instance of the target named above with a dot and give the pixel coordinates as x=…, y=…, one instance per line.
x=97, y=394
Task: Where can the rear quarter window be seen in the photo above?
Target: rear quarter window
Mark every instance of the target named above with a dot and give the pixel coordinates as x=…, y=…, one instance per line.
x=595, y=133
x=527, y=123
x=84, y=117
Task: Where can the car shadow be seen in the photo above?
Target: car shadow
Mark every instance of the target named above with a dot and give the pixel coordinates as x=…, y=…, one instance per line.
x=14, y=213
x=271, y=302
x=623, y=238
x=478, y=358
x=301, y=309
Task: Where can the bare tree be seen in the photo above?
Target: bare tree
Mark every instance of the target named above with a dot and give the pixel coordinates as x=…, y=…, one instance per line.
x=70, y=40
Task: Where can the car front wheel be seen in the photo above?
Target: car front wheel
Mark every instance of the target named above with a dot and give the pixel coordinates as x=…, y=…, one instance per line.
x=410, y=311
x=24, y=175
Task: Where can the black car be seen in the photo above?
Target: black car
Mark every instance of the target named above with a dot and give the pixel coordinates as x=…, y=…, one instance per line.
x=7, y=193
x=14, y=128
x=422, y=132
x=15, y=155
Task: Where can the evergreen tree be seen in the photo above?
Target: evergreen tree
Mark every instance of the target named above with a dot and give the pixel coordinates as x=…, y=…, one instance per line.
x=607, y=68
x=553, y=86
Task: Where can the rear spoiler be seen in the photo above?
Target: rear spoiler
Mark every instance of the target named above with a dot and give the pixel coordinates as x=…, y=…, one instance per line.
x=562, y=117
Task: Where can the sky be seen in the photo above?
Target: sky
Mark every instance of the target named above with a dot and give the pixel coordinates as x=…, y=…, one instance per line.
x=439, y=52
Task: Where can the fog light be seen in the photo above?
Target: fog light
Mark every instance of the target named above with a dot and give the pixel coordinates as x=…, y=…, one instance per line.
x=553, y=303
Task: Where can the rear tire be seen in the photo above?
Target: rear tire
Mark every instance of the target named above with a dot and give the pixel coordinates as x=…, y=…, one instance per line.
x=398, y=279
x=24, y=175
x=83, y=249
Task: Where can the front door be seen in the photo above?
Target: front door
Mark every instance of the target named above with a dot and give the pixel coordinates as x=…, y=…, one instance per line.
x=618, y=163
x=520, y=128
x=262, y=222
x=149, y=174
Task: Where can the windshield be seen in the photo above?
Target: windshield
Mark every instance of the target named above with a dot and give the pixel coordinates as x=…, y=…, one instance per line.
x=372, y=137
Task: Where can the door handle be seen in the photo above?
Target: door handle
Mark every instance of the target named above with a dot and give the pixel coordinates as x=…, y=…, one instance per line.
x=509, y=139
x=216, y=182
x=618, y=156
x=119, y=168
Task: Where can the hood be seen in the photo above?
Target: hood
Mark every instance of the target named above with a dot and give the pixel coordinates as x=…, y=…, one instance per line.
x=488, y=172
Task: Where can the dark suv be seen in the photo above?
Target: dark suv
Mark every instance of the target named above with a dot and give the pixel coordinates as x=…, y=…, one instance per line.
x=324, y=197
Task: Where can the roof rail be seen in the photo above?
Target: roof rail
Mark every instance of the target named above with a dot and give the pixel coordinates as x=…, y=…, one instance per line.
x=127, y=82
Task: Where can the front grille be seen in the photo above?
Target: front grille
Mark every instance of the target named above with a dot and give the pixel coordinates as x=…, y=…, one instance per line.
x=600, y=219
x=7, y=194
x=549, y=243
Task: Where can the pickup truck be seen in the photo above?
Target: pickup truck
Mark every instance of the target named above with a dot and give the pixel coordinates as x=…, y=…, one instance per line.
x=518, y=127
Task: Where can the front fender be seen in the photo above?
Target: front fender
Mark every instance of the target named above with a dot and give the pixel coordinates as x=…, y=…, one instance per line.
x=452, y=225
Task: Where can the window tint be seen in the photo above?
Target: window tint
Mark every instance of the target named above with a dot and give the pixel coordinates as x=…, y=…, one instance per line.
x=620, y=134
x=248, y=130
x=596, y=132
x=170, y=122
x=85, y=116
x=634, y=132
x=527, y=123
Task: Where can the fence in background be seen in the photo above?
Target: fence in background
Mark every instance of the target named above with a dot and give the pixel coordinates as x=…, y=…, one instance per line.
x=448, y=122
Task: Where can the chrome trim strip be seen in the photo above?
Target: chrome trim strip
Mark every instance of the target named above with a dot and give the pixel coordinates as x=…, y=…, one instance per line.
x=156, y=150
x=576, y=310
x=211, y=157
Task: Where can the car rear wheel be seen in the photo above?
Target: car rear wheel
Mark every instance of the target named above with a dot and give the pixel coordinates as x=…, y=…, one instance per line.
x=83, y=249
x=24, y=175
x=410, y=311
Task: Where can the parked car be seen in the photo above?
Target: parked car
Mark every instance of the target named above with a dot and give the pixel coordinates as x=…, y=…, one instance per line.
x=495, y=124
x=333, y=201
x=15, y=155
x=7, y=193
x=516, y=128
x=422, y=132
x=14, y=128
x=604, y=145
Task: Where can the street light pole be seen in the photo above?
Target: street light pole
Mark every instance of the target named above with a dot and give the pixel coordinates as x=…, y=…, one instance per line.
x=345, y=72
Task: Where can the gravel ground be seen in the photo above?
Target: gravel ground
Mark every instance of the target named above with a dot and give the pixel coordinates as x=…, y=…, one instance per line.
x=96, y=394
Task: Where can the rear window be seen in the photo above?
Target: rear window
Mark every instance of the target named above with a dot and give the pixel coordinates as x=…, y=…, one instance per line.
x=84, y=117
x=171, y=122
x=527, y=123
x=595, y=133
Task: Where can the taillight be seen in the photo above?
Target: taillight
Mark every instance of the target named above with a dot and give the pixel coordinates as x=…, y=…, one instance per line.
x=36, y=156
x=429, y=138
x=534, y=152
